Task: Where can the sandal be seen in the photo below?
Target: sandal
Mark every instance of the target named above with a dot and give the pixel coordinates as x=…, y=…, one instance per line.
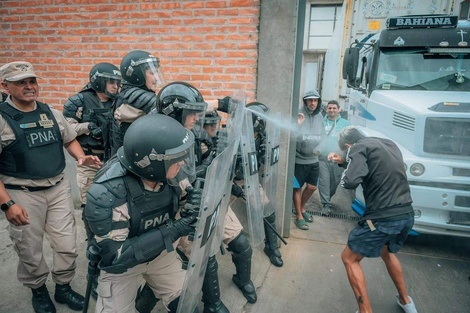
x=307, y=216
x=301, y=224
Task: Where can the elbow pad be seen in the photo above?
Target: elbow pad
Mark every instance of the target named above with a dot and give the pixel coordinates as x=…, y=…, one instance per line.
x=142, y=249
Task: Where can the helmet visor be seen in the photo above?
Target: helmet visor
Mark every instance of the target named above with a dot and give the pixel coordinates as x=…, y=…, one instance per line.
x=212, y=124
x=151, y=69
x=191, y=118
x=180, y=162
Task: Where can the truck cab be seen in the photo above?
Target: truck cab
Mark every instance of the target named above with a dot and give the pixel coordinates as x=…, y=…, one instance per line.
x=411, y=83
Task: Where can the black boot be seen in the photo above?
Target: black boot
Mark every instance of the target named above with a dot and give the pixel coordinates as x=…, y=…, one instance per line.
x=271, y=244
x=42, y=302
x=145, y=300
x=241, y=257
x=64, y=294
x=211, y=289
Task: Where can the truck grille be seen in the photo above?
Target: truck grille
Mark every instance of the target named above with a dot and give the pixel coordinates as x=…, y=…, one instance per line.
x=447, y=136
x=403, y=121
x=459, y=218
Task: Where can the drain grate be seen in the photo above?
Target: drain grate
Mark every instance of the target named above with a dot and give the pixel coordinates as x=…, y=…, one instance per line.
x=341, y=216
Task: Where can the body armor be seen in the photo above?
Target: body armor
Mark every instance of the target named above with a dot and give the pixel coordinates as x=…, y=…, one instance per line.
x=37, y=152
x=87, y=107
x=138, y=98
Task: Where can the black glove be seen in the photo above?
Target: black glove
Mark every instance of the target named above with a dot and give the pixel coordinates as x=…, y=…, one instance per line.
x=224, y=104
x=95, y=130
x=193, y=201
x=182, y=227
x=237, y=191
x=215, y=142
x=262, y=153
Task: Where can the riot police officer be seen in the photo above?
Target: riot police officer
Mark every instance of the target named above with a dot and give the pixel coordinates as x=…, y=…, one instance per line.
x=89, y=112
x=186, y=104
x=131, y=210
x=142, y=77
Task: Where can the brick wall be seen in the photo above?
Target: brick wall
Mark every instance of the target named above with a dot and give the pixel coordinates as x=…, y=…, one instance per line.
x=211, y=44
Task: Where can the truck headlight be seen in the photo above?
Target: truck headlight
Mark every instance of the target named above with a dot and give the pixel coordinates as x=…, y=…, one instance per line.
x=417, y=169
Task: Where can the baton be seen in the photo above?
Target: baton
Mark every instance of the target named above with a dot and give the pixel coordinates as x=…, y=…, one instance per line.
x=270, y=226
x=93, y=257
x=274, y=230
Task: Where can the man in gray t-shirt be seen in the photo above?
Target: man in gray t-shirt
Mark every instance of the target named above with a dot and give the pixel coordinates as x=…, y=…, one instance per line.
x=309, y=135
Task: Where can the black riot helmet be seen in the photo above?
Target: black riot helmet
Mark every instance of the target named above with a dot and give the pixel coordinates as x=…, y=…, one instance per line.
x=259, y=112
x=102, y=73
x=153, y=144
x=212, y=118
x=135, y=65
x=212, y=123
x=180, y=99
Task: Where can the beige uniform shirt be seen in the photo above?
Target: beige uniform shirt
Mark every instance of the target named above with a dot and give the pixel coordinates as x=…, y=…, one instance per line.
x=8, y=136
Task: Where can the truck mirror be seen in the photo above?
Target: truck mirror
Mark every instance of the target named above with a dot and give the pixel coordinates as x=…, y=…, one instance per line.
x=350, y=64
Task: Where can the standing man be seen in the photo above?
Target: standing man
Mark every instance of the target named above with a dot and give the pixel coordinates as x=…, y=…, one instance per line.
x=309, y=135
x=35, y=195
x=131, y=210
x=376, y=164
x=89, y=112
x=330, y=172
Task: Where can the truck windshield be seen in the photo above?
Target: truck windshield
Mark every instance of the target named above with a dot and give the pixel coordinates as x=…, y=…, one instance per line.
x=423, y=70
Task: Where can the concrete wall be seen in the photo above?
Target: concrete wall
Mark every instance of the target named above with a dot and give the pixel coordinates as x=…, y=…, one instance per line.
x=276, y=86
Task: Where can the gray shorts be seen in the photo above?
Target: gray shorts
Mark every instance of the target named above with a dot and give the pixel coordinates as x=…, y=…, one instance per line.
x=369, y=243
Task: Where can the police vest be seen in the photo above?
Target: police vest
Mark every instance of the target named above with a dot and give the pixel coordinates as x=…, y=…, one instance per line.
x=147, y=209
x=98, y=112
x=37, y=152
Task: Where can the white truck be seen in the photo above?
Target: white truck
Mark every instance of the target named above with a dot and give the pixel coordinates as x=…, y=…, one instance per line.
x=411, y=83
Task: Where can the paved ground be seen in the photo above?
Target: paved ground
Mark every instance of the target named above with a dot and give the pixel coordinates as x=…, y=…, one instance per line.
x=313, y=279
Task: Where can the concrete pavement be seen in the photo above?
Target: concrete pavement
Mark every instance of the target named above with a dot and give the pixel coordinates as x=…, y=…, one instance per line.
x=312, y=278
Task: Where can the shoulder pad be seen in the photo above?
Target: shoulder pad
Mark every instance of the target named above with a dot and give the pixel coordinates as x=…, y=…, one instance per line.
x=77, y=99
x=72, y=105
x=110, y=170
x=139, y=98
x=101, y=200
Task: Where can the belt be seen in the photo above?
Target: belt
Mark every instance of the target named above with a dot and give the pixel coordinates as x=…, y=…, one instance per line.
x=31, y=189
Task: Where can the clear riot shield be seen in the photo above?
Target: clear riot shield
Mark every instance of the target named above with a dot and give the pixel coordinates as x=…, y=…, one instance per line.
x=212, y=213
x=229, y=139
x=271, y=159
x=254, y=207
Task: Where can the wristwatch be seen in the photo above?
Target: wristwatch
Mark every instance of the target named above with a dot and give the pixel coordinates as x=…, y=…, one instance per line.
x=5, y=206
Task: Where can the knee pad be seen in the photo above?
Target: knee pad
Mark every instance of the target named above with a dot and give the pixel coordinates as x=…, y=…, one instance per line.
x=240, y=245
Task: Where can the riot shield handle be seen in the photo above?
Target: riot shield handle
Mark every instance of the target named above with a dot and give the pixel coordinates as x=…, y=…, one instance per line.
x=93, y=256
x=190, y=189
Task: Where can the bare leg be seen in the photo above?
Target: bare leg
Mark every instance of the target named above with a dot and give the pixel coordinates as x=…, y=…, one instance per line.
x=351, y=261
x=306, y=195
x=396, y=274
x=297, y=195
